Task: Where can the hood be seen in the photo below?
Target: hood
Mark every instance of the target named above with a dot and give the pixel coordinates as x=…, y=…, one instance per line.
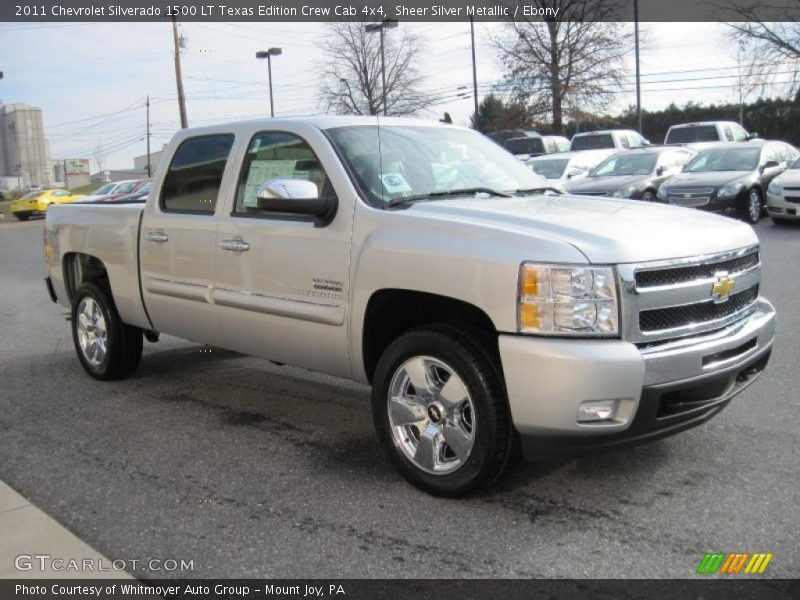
x=605, y=230
x=709, y=179
x=789, y=177
x=608, y=184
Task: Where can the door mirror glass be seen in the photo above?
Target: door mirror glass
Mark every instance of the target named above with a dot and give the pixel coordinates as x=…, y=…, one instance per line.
x=660, y=171
x=574, y=172
x=288, y=189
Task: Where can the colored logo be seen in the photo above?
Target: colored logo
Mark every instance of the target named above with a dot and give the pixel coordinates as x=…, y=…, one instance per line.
x=733, y=563
x=723, y=286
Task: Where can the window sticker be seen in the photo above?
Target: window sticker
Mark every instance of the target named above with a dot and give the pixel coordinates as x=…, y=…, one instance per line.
x=394, y=183
x=261, y=171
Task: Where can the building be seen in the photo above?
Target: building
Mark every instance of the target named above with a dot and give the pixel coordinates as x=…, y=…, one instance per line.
x=23, y=149
x=140, y=162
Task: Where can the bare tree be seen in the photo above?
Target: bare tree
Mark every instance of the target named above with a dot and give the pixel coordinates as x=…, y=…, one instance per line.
x=768, y=35
x=351, y=71
x=572, y=62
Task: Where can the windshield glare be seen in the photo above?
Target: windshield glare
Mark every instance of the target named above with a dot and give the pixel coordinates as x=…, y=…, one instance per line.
x=551, y=168
x=105, y=189
x=626, y=164
x=729, y=159
x=395, y=162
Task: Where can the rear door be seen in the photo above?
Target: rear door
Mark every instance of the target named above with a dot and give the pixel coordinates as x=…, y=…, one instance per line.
x=178, y=239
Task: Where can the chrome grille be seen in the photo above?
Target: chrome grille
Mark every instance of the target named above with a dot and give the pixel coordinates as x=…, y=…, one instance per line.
x=675, y=275
x=664, y=300
x=590, y=193
x=676, y=317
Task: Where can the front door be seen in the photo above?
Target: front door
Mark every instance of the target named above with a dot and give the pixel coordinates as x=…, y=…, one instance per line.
x=281, y=283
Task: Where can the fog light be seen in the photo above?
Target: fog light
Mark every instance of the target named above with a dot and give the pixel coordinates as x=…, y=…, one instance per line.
x=596, y=410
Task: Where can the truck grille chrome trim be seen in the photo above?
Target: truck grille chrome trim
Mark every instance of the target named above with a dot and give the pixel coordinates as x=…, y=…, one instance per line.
x=671, y=299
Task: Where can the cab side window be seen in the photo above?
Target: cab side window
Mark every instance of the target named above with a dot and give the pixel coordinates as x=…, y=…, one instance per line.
x=623, y=139
x=194, y=177
x=728, y=134
x=277, y=155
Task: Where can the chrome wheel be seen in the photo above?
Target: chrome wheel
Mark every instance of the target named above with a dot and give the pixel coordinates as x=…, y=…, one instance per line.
x=754, y=206
x=92, y=332
x=431, y=415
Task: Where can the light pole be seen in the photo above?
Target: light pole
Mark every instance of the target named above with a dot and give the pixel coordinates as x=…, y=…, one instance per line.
x=380, y=27
x=268, y=54
x=474, y=68
x=638, y=79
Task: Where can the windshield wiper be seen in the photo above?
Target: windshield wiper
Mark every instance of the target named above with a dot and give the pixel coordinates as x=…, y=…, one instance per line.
x=538, y=190
x=443, y=193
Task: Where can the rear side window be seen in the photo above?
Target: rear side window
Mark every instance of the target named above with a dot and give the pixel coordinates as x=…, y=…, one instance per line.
x=692, y=134
x=728, y=134
x=195, y=174
x=592, y=142
x=525, y=146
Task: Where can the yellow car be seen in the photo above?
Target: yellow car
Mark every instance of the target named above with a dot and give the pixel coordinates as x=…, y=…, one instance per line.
x=36, y=203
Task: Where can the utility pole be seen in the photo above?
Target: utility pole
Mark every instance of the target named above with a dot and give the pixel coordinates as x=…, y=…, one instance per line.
x=178, y=76
x=638, y=79
x=380, y=27
x=147, y=104
x=474, y=68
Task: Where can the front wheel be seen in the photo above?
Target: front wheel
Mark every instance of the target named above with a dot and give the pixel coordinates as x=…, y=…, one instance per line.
x=22, y=217
x=753, y=206
x=107, y=347
x=441, y=412
x=649, y=196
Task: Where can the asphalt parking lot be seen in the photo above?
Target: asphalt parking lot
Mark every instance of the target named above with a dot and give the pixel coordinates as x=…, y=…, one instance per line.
x=253, y=470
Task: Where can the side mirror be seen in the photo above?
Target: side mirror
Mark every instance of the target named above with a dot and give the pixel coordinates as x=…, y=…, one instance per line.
x=770, y=164
x=297, y=197
x=660, y=171
x=574, y=172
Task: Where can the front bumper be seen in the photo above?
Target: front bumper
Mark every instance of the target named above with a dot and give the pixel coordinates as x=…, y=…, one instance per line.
x=660, y=389
x=779, y=208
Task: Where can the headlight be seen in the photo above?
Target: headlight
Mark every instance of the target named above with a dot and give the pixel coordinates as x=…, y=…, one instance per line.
x=564, y=300
x=731, y=189
x=626, y=192
x=775, y=188
x=662, y=192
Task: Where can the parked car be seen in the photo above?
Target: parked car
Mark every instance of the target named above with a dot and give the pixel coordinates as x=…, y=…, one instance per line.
x=423, y=259
x=565, y=167
x=783, y=195
x=113, y=190
x=730, y=175
x=501, y=137
x=137, y=194
x=523, y=147
x=37, y=203
x=707, y=131
x=535, y=145
x=617, y=139
x=632, y=174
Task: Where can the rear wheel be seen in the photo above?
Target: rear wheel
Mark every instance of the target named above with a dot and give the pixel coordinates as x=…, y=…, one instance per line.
x=752, y=207
x=22, y=217
x=106, y=347
x=441, y=412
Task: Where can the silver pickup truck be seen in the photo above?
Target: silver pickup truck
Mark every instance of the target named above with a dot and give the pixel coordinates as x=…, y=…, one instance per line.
x=492, y=316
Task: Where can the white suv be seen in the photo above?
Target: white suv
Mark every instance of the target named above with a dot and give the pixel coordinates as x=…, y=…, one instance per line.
x=616, y=139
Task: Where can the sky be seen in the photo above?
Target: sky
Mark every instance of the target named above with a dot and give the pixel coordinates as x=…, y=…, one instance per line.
x=91, y=80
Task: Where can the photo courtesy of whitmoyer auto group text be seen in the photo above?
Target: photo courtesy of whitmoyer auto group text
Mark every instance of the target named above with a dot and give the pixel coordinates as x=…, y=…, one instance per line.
x=400, y=299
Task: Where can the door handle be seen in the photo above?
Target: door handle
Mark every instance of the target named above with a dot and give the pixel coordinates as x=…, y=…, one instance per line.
x=234, y=245
x=159, y=237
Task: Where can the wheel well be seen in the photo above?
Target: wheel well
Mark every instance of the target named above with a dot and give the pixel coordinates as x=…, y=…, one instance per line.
x=80, y=268
x=392, y=312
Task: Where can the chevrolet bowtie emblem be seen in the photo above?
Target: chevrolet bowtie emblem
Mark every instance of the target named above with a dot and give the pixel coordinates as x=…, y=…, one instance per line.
x=723, y=286
x=687, y=195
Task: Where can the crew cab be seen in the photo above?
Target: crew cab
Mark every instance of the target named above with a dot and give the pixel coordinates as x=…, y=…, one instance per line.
x=703, y=132
x=490, y=316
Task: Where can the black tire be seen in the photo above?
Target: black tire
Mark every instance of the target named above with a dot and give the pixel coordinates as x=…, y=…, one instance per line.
x=649, y=196
x=747, y=207
x=780, y=222
x=22, y=217
x=493, y=436
x=123, y=343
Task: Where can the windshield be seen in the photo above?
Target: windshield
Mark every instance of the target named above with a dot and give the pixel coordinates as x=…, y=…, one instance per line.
x=32, y=195
x=626, y=164
x=592, y=142
x=104, y=190
x=728, y=159
x=125, y=187
x=687, y=135
x=395, y=162
x=526, y=145
x=550, y=168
